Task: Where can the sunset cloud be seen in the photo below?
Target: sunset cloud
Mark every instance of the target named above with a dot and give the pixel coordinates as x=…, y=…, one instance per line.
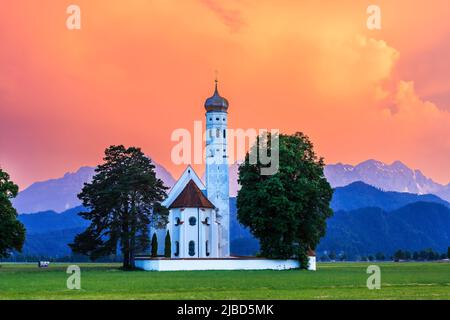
x=230, y=17
x=138, y=70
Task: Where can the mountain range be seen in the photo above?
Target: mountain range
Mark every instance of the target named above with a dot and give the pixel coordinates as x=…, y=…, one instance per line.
x=366, y=231
x=388, y=177
x=393, y=221
x=61, y=194
x=368, y=220
x=360, y=195
x=378, y=207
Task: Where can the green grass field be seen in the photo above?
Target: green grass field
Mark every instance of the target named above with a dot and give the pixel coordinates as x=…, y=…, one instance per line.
x=330, y=281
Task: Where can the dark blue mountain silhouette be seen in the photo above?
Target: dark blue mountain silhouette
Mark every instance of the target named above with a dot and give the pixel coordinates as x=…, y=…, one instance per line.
x=360, y=195
x=365, y=231
x=366, y=220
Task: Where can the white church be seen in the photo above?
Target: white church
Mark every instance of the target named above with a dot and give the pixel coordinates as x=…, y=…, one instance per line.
x=199, y=213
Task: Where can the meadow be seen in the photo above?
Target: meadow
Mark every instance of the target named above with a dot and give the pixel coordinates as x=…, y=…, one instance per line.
x=330, y=281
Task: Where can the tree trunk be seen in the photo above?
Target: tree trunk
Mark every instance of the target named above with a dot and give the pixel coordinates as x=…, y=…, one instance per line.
x=132, y=265
x=126, y=242
x=126, y=260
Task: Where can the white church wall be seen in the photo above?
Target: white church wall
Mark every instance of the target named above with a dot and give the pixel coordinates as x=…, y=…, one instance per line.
x=216, y=264
x=220, y=264
x=161, y=236
x=191, y=232
x=312, y=264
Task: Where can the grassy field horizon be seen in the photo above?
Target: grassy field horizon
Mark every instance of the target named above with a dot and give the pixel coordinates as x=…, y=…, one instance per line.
x=412, y=280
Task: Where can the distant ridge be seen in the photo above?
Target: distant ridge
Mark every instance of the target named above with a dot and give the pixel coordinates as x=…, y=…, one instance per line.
x=366, y=220
x=365, y=231
x=388, y=177
x=61, y=194
x=360, y=195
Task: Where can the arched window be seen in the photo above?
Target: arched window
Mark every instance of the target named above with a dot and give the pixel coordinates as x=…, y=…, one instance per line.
x=218, y=133
x=207, y=248
x=191, y=248
x=206, y=221
x=192, y=221
x=177, y=249
x=224, y=133
x=177, y=222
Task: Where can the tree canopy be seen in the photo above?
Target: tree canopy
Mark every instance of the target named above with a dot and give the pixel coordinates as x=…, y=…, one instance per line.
x=12, y=231
x=123, y=200
x=286, y=211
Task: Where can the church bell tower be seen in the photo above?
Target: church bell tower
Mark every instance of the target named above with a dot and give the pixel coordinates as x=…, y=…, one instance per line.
x=217, y=175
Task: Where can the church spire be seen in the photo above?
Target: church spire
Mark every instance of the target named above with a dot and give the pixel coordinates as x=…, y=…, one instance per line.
x=216, y=102
x=216, y=81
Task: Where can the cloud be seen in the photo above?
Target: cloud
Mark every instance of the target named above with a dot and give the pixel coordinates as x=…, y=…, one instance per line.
x=422, y=120
x=294, y=65
x=232, y=18
x=354, y=66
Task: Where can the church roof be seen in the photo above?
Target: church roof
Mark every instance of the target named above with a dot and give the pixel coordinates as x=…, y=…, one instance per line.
x=188, y=174
x=191, y=197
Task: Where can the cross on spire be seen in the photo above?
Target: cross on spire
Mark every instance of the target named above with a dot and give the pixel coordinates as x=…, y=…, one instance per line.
x=216, y=80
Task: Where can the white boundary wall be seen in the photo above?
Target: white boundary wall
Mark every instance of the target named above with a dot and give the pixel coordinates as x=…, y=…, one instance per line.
x=219, y=264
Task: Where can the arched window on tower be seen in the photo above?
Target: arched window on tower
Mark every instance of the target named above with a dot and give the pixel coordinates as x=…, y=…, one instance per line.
x=177, y=249
x=224, y=133
x=207, y=248
x=218, y=133
x=191, y=248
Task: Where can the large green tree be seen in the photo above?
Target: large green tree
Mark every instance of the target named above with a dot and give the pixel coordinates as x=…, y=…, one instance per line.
x=286, y=211
x=12, y=231
x=123, y=200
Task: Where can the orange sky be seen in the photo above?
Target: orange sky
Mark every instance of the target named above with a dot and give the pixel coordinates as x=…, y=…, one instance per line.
x=139, y=69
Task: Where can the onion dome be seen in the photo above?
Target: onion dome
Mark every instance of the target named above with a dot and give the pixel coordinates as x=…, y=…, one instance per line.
x=216, y=102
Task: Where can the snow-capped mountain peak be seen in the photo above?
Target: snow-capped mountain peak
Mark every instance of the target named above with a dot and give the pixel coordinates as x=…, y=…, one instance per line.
x=389, y=177
x=61, y=194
